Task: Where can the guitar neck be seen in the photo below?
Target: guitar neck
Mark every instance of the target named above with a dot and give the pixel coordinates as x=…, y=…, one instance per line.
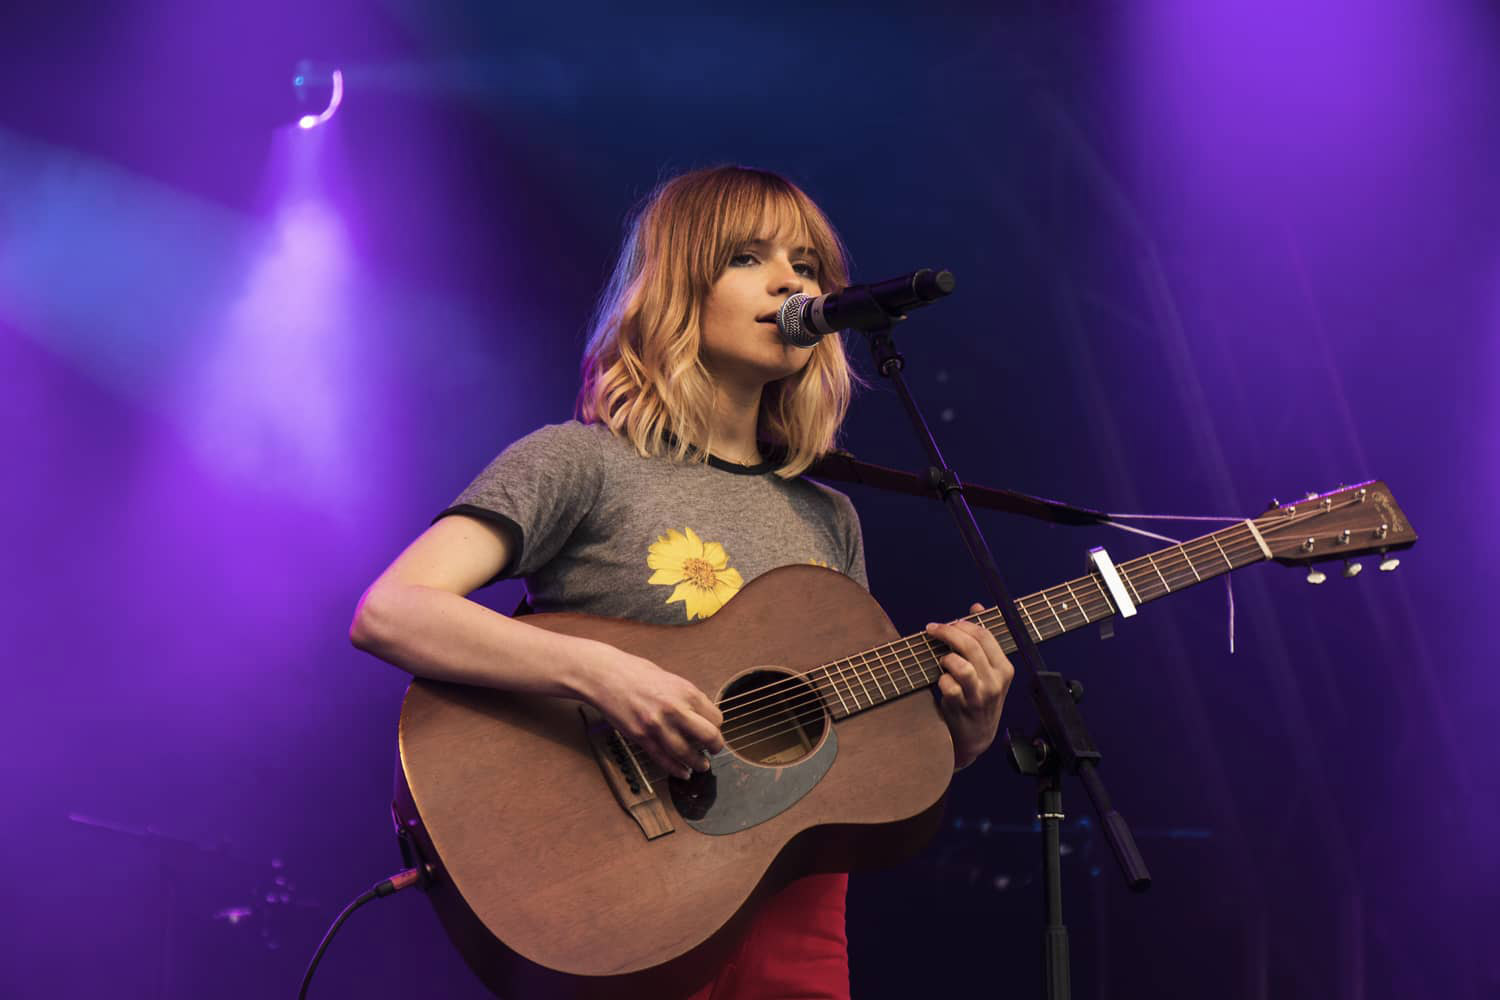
x=875, y=676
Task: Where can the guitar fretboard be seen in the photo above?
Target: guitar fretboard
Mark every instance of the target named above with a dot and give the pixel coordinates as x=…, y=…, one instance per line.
x=875, y=676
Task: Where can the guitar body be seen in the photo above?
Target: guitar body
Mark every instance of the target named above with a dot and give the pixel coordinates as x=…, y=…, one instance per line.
x=556, y=876
x=546, y=883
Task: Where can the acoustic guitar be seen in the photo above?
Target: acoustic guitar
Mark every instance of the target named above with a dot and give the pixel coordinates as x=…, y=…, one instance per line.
x=565, y=864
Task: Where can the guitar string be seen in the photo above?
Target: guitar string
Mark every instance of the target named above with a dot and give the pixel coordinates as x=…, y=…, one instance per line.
x=934, y=649
x=1197, y=546
x=924, y=658
x=929, y=653
x=1032, y=606
x=772, y=719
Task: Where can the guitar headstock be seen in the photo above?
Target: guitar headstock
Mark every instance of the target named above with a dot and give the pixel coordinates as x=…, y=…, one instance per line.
x=1348, y=522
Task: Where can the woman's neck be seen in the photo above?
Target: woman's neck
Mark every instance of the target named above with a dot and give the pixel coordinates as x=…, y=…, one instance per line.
x=735, y=419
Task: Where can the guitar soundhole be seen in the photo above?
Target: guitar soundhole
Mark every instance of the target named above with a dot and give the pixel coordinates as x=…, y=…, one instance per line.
x=772, y=718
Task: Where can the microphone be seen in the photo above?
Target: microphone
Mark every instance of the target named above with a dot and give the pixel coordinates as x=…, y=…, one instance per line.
x=804, y=320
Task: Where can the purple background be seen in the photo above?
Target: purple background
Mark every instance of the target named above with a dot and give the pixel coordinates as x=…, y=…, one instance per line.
x=1207, y=253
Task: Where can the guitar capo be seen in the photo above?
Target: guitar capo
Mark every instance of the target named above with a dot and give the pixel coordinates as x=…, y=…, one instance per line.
x=1100, y=563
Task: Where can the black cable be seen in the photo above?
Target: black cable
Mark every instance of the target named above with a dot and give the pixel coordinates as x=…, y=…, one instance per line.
x=395, y=883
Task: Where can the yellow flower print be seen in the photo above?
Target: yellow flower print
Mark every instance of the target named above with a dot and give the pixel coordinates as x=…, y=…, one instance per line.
x=818, y=562
x=700, y=570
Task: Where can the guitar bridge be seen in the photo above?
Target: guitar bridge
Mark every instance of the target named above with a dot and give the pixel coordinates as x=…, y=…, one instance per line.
x=625, y=775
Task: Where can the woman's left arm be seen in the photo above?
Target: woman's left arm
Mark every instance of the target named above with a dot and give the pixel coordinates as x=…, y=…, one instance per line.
x=976, y=677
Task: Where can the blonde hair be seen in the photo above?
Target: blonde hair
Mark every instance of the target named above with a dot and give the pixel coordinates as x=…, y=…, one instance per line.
x=643, y=376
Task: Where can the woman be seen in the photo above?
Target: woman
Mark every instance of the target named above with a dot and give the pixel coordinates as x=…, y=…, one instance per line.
x=679, y=484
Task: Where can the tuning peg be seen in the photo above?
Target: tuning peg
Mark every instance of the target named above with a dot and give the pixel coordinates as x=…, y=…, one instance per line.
x=1273, y=504
x=1310, y=496
x=1352, y=568
x=1315, y=575
x=1389, y=563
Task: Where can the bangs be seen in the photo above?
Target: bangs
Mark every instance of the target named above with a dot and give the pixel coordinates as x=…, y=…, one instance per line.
x=765, y=206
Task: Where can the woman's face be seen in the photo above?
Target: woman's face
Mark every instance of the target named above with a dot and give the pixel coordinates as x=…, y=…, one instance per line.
x=741, y=344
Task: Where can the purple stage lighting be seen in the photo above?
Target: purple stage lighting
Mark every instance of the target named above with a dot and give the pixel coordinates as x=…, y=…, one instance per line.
x=318, y=88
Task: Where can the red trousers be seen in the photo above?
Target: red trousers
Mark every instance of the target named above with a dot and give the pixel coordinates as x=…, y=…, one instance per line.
x=795, y=948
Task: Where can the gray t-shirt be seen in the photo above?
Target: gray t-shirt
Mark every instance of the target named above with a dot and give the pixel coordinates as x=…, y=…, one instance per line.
x=599, y=529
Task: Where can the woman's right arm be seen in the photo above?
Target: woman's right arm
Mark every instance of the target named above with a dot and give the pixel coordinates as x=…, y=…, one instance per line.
x=416, y=616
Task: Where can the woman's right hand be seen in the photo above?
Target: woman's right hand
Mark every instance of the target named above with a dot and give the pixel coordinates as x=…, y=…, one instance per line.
x=664, y=714
x=417, y=617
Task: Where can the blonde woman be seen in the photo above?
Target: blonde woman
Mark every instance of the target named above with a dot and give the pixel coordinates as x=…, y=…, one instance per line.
x=679, y=482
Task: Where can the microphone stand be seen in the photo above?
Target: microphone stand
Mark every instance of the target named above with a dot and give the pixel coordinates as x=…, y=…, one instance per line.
x=1062, y=742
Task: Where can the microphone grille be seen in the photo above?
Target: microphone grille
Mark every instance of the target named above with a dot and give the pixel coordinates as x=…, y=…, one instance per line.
x=789, y=322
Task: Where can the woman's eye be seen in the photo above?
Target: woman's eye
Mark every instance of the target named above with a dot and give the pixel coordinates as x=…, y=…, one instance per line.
x=804, y=268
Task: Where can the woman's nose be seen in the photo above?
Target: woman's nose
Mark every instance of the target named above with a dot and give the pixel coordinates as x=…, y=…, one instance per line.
x=787, y=281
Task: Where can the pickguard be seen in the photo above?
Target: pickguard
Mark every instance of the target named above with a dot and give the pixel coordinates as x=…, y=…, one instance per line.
x=734, y=794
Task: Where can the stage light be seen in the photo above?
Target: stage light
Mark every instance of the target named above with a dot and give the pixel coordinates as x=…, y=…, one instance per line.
x=319, y=91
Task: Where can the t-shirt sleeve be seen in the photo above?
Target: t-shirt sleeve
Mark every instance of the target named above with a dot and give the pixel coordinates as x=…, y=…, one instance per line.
x=537, y=490
x=853, y=539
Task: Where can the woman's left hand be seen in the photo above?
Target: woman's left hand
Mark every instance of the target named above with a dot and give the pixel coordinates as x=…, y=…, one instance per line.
x=976, y=676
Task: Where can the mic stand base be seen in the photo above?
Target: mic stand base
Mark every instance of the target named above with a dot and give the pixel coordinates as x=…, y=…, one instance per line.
x=1034, y=758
